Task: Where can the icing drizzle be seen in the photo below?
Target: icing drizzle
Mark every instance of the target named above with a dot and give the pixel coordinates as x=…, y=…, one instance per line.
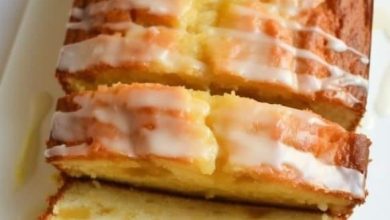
x=249, y=146
x=335, y=43
x=305, y=83
x=158, y=7
x=297, y=52
x=114, y=50
x=258, y=149
x=120, y=122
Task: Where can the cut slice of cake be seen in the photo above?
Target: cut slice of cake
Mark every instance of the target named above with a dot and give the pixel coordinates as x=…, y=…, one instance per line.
x=304, y=54
x=189, y=142
x=94, y=200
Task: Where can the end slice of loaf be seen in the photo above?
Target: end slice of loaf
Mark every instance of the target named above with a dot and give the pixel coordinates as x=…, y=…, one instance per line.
x=96, y=200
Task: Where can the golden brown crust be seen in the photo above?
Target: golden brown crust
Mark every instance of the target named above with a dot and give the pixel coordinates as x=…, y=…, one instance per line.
x=52, y=200
x=351, y=21
x=359, y=152
x=348, y=20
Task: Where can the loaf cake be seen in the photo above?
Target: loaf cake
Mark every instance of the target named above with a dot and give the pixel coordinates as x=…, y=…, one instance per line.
x=194, y=143
x=95, y=200
x=304, y=54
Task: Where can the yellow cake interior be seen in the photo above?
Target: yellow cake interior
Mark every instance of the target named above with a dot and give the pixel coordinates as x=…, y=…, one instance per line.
x=86, y=200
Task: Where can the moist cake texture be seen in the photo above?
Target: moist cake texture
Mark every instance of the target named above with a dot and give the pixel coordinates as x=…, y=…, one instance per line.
x=87, y=200
x=305, y=54
x=190, y=142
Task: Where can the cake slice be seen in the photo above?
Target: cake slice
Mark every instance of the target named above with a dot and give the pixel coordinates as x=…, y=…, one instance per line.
x=304, y=54
x=94, y=200
x=189, y=142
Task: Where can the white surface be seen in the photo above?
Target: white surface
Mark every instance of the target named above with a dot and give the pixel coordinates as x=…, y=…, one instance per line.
x=30, y=71
x=10, y=16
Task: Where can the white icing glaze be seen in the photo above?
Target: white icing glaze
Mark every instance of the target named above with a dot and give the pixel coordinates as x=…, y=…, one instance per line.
x=334, y=43
x=162, y=99
x=256, y=149
x=159, y=7
x=88, y=25
x=87, y=19
x=293, y=7
x=173, y=136
x=249, y=148
x=169, y=143
x=70, y=126
x=109, y=115
x=122, y=144
x=77, y=13
x=253, y=70
x=310, y=84
x=347, y=78
x=63, y=150
x=115, y=50
x=304, y=82
x=79, y=25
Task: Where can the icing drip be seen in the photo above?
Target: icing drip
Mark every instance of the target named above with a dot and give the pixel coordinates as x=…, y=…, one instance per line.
x=290, y=8
x=310, y=84
x=77, y=13
x=257, y=149
x=65, y=151
x=158, y=7
x=294, y=7
x=254, y=134
x=255, y=71
x=120, y=123
x=90, y=18
x=88, y=25
x=303, y=82
x=334, y=43
x=115, y=50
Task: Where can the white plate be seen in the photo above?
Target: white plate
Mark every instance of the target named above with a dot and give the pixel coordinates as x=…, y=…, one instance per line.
x=30, y=73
